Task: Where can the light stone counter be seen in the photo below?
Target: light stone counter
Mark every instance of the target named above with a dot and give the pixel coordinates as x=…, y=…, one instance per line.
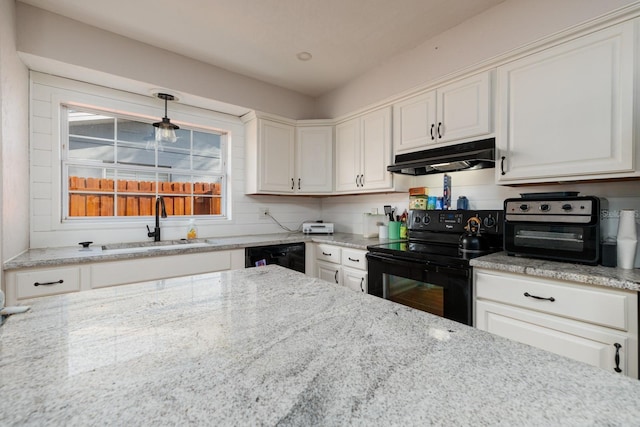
x=57, y=256
x=588, y=274
x=266, y=346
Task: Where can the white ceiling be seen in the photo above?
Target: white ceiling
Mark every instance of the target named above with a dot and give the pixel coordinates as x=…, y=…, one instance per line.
x=260, y=38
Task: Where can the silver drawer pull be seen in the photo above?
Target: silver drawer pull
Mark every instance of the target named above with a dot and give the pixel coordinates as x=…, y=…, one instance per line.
x=527, y=294
x=48, y=283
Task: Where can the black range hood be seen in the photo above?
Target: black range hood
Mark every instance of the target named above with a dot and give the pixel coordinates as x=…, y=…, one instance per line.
x=458, y=157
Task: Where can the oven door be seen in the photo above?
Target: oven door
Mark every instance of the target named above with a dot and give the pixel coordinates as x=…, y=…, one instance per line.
x=562, y=242
x=437, y=289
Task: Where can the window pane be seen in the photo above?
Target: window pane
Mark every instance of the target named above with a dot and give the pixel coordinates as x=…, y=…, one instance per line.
x=206, y=152
x=176, y=155
x=135, y=154
x=90, y=193
x=91, y=149
x=138, y=132
x=82, y=123
x=207, y=198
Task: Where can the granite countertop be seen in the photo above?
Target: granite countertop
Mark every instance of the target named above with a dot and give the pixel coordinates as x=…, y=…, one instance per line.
x=56, y=256
x=266, y=346
x=588, y=274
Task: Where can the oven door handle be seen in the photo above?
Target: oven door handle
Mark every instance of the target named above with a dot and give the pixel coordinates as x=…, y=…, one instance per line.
x=396, y=260
x=427, y=266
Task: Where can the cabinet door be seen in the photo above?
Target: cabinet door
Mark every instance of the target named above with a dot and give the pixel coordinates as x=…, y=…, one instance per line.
x=348, y=155
x=314, y=160
x=354, y=279
x=464, y=108
x=329, y=272
x=276, y=159
x=376, y=150
x=579, y=341
x=414, y=122
x=567, y=112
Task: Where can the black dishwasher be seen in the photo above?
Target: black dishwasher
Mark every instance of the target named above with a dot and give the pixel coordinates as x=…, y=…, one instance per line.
x=290, y=255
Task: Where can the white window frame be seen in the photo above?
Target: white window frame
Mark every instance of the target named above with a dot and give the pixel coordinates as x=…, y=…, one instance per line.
x=66, y=162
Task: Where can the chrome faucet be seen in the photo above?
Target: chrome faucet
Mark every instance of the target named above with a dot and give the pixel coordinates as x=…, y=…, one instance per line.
x=160, y=210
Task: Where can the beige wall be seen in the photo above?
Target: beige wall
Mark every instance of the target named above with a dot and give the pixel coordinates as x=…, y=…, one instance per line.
x=505, y=27
x=72, y=49
x=14, y=139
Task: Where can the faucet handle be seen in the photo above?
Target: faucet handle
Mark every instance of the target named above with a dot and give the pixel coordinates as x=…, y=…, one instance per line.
x=150, y=233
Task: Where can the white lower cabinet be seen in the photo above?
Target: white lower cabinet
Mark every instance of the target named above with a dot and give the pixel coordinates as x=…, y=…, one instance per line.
x=40, y=282
x=153, y=268
x=343, y=266
x=354, y=279
x=329, y=272
x=595, y=325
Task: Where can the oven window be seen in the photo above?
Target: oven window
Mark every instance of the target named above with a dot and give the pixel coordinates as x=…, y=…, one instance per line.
x=565, y=238
x=422, y=296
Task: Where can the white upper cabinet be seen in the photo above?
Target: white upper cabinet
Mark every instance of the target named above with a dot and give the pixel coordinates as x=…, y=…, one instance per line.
x=566, y=113
x=363, y=152
x=276, y=156
x=314, y=159
x=457, y=111
x=283, y=159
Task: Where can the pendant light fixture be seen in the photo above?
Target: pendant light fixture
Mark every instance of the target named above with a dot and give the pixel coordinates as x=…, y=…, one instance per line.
x=165, y=130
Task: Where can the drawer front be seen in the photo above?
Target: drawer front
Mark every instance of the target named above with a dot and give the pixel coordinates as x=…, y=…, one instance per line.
x=354, y=258
x=606, y=307
x=40, y=283
x=328, y=253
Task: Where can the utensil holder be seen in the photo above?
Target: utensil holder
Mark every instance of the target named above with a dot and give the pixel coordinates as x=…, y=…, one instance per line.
x=627, y=240
x=394, y=229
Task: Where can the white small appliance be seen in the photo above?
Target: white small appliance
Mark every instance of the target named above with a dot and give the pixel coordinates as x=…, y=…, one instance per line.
x=317, y=228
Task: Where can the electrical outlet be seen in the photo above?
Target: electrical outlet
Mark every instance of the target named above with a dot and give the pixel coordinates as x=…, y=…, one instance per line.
x=263, y=213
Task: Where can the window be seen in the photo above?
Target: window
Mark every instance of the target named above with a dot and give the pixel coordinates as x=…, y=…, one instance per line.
x=113, y=167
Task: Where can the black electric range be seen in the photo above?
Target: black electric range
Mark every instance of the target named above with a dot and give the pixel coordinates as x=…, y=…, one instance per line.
x=430, y=270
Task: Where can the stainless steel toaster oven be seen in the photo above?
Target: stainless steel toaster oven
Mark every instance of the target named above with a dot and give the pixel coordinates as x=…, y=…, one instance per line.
x=558, y=226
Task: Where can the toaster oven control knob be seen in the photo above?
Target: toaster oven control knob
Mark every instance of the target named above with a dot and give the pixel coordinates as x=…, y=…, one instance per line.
x=417, y=219
x=524, y=207
x=545, y=207
x=426, y=219
x=567, y=207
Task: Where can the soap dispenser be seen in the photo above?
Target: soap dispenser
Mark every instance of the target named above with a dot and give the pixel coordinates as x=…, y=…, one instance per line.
x=192, y=230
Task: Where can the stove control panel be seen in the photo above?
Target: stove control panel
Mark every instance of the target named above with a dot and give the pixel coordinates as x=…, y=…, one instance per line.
x=454, y=221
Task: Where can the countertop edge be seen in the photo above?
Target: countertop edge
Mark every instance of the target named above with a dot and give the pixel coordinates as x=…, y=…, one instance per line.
x=597, y=275
x=71, y=255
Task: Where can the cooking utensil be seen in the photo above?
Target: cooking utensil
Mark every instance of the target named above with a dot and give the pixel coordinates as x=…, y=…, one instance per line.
x=388, y=211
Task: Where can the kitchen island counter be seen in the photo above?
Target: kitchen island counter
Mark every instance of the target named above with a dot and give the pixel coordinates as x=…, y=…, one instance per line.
x=265, y=346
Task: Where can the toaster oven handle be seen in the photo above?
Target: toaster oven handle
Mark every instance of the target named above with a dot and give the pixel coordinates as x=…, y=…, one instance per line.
x=528, y=295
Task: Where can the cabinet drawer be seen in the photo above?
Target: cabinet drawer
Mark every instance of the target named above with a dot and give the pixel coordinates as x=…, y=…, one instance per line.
x=600, y=306
x=41, y=283
x=354, y=258
x=328, y=253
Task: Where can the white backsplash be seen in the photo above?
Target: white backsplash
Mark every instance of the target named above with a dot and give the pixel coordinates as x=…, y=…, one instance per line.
x=479, y=187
